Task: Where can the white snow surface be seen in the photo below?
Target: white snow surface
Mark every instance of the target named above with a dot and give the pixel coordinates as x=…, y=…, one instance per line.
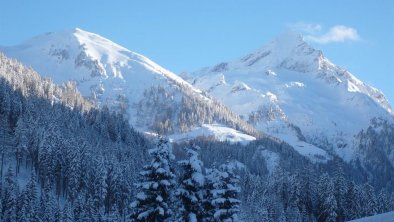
x=100, y=67
x=217, y=131
x=106, y=73
x=386, y=217
x=295, y=85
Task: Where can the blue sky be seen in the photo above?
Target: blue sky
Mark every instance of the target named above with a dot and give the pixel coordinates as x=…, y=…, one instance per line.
x=185, y=35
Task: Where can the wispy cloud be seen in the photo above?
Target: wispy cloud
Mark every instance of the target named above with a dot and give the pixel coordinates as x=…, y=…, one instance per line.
x=338, y=33
x=306, y=27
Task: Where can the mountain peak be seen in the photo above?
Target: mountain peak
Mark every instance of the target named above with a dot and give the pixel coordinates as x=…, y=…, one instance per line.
x=289, y=39
x=291, y=47
x=288, y=50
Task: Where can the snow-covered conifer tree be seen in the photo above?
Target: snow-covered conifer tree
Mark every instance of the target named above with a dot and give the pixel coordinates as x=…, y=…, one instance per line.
x=9, y=196
x=225, y=193
x=190, y=191
x=154, y=201
x=327, y=203
x=29, y=200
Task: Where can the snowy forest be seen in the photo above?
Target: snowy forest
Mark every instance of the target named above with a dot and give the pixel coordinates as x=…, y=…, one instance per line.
x=64, y=160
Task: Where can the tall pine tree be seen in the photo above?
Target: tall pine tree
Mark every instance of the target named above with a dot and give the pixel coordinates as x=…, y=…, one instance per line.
x=190, y=191
x=155, y=199
x=225, y=193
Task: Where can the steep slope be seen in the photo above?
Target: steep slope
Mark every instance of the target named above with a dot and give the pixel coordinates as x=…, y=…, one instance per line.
x=54, y=141
x=290, y=90
x=153, y=98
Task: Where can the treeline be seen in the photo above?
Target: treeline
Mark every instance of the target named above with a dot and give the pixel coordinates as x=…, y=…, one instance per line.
x=179, y=110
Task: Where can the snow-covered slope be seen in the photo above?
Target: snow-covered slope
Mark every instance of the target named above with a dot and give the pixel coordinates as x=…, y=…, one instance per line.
x=386, y=217
x=153, y=98
x=290, y=90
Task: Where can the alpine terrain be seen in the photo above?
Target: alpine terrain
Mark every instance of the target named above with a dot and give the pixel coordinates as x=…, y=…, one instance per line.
x=292, y=91
x=154, y=99
x=91, y=131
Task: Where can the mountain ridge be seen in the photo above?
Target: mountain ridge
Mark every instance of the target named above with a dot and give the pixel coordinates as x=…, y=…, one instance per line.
x=286, y=84
x=109, y=74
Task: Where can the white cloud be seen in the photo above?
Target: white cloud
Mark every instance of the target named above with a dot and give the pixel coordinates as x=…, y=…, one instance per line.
x=338, y=33
x=306, y=27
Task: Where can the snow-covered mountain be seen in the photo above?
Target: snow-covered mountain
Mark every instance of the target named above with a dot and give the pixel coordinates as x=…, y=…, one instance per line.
x=153, y=98
x=290, y=90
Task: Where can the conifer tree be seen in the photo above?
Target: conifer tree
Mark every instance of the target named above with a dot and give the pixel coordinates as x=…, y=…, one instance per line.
x=154, y=201
x=9, y=196
x=210, y=181
x=29, y=200
x=328, y=207
x=67, y=214
x=225, y=192
x=341, y=187
x=190, y=191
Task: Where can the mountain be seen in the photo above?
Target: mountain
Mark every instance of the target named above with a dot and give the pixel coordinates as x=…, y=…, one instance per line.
x=77, y=162
x=292, y=91
x=151, y=97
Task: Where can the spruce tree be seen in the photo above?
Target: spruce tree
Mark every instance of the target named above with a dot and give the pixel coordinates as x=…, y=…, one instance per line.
x=67, y=214
x=29, y=200
x=154, y=201
x=210, y=181
x=327, y=209
x=225, y=193
x=190, y=191
x=9, y=196
x=341, y=188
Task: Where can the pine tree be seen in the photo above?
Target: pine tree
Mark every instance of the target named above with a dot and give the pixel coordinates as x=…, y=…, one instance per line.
x=353, y=202
x=47, y=205
x=210, y=181
x=190, y=191
x=225, y=193
x=78, y=209
x=67, y=214
x=155, y=199
x=371, y=205
x=383, y=202
x=328, y=207
x=264, y=215
x=9, y=196
x=29, y=200
x=341, y=188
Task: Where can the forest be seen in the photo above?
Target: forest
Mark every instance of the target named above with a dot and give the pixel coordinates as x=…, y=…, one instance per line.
x=64, y=160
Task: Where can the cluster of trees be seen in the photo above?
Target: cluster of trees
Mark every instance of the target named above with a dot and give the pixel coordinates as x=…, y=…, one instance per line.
x=296, y=189
x=178, y=110
x=80, y=156
x=197, y=197
x=268, y=112
x=306, y=196
x=63, y=160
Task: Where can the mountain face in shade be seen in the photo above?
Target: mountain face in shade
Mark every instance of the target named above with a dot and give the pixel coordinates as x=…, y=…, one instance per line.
x=153, y=98
x=290, y=90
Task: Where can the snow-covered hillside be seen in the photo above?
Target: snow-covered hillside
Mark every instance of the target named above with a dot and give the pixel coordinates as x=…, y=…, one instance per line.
x=153, y=98
x=386, y=217
x=290, y=90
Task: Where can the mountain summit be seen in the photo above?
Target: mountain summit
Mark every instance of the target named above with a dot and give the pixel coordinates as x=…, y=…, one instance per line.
x=292, y=91
x=287, y=50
